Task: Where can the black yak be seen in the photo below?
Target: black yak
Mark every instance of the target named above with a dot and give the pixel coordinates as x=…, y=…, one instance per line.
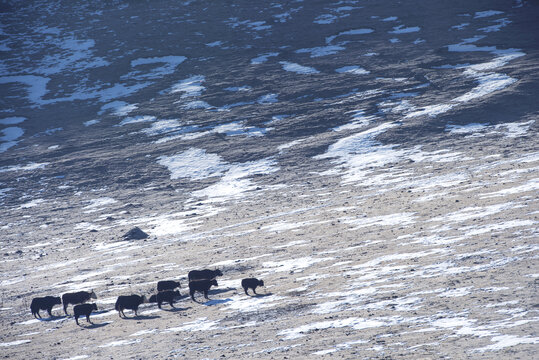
x=201, y=286
x=251, y=283
x=152, y=299
x=83, y=309
x=166, y=296
x=167, y=285
x=44, y=303
x=204, y=274
x=131, y=302
x=77, y=298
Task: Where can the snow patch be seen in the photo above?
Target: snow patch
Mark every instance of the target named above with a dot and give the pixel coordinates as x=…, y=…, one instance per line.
x=299, y=69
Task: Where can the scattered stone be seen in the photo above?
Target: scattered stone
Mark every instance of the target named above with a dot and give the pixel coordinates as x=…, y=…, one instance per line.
x=135, y=234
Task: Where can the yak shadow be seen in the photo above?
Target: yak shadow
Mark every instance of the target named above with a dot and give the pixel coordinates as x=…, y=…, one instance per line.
x=141, y=317
x=220, y=291
x=53, y=318
x=260, y=295
x=94, y=325
x=216, y=302
x=175, y=309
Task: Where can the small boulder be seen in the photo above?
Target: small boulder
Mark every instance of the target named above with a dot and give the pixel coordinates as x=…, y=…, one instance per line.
x=135, y=234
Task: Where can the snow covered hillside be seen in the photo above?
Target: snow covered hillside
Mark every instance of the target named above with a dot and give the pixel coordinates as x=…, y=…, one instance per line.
x=374, y=162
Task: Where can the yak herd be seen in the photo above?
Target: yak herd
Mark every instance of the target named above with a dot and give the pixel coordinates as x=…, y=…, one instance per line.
x=199, y=281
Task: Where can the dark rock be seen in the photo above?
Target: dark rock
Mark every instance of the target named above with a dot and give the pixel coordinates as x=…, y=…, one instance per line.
x=135, y=234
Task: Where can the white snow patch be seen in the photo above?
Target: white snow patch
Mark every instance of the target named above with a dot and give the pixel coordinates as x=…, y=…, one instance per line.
x=329, y=39
x=118, y=108
x=195, y=164
x=31, y=204
x=355, y=323
x=298, y=264
x=359, y=120
x=299, y=69
x=289, y=145
x=239, y=88
x=14, y=343
x=530, y=186
x=325, y=19
x=465, y=129
x=393, y=257
x=234, y=182
x=162, y=127
x=144, y=332
x=120, y=343
x=263, y=58
x=487, y=13
x=90, y=122
x=500, y=24
x=474, y=230
x=456, y=292
x=12, y=120
x=401, y=219
x=100, y=202
x=359, y=153
x=253, y=303
x=137, y=119
x=356, y=70
x=515, y=130
x=37, y=85
x=504, y=341
x=200, y=324
x=268, y=99
x=470, y=213
x=169, y=66
x=402, y=30
x=488, y=83
x=322, y=50
x=11, y=134
x=190, y=87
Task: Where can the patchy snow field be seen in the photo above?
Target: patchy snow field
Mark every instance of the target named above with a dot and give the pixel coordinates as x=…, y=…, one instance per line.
x=377, y=166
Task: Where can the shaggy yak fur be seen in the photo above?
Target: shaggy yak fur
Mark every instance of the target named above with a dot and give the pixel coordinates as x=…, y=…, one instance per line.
x=84, y=309
x=77, y=298
x=201, y=286
x=131, y=302
x=166, y=296
x=204, y=274
x=44, y=303
x=251, y=283
x=167, y=285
